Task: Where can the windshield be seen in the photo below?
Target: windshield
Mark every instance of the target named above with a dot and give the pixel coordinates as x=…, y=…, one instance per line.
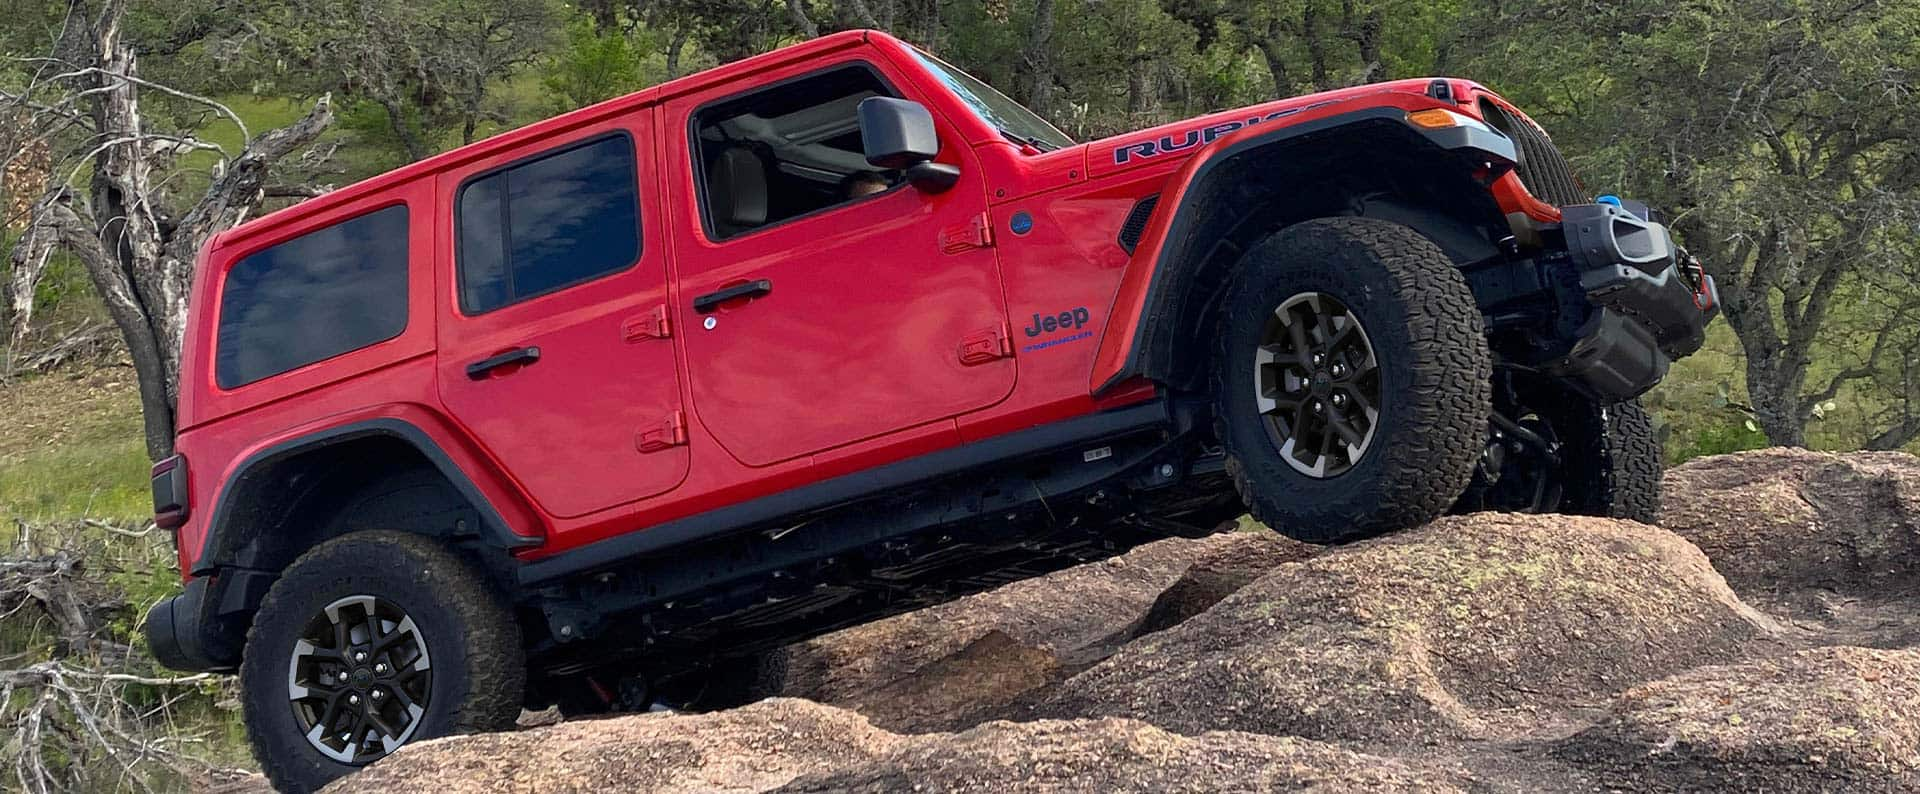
x=1010, y=117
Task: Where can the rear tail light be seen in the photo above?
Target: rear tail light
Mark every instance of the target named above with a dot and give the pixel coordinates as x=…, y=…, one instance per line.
x=170, y=492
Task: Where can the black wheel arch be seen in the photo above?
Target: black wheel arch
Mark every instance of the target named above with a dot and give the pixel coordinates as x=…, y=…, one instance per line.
x=1369, y=163
x=284, y=500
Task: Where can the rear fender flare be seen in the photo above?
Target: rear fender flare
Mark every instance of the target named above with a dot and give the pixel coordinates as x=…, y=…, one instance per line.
x=494, y=530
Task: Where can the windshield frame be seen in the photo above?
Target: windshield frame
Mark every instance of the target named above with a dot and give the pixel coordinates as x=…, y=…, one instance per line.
x=1014, y=121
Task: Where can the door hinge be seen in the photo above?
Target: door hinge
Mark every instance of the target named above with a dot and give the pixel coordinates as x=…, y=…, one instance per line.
x=975, y=233
x=652, y=325
x=987, y=345
x=671, y=432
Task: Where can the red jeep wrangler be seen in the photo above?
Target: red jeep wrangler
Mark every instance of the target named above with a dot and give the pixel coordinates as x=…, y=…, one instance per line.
x=604, y=411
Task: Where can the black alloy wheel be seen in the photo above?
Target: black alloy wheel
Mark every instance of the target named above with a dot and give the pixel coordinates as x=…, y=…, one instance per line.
x=359, y=679
x=1317, y=382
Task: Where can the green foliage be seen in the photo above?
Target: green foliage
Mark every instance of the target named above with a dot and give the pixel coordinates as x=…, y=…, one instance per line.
x=64, y=280
x=1716, y=439
x=1788, y=155
x=595, y=66
x=1748, y=103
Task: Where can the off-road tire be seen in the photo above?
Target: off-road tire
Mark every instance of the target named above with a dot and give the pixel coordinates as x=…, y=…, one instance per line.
x=478, y=667
x=1426, y=332
x=1610, y=456
x=740, y=680
x=1614, y=470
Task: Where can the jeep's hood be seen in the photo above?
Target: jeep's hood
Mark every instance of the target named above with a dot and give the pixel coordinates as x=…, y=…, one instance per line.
x=1182, y=138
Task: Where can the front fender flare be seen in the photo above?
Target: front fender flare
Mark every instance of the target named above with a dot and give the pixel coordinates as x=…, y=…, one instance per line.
x=1141, y=341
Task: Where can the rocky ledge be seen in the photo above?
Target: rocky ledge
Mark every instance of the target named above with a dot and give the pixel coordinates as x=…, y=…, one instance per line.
x=1761, y=641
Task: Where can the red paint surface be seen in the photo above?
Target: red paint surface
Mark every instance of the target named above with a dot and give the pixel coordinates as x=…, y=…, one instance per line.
x=852, y=362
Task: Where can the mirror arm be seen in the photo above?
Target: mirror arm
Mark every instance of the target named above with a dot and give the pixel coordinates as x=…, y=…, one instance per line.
x=931, y=177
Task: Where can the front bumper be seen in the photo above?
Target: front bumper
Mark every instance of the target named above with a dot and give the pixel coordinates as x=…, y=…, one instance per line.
x=1650, y=302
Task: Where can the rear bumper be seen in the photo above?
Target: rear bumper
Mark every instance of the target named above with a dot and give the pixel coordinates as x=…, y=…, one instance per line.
x=204, y=628
x=173, y=629
x=1651, y=303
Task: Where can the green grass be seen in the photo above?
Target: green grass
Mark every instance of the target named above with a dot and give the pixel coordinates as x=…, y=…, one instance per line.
x=73, y=448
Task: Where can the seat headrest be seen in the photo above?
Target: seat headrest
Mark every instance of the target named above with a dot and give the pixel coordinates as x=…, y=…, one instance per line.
x=737, y=190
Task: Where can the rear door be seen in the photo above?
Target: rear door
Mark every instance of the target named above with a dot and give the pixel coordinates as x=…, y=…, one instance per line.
x=863, y=306
x=555, y=347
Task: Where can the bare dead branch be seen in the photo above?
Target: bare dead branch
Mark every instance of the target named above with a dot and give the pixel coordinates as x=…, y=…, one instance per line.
x=94, y=71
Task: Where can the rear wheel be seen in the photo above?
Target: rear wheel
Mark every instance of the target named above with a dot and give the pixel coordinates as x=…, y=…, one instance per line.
x=1553, y=450
x=366, y=643
x=1351, y=380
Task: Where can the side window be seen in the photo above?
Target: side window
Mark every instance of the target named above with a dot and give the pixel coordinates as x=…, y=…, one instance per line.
x=314, y=297
x=786, y=151
x=544, y=225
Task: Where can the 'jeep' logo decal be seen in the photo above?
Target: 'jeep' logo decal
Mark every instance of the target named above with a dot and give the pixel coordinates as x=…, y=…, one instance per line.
x=1074, y=320
x=1180, y=142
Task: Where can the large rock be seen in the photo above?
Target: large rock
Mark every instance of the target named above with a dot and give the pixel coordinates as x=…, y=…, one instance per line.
x=796, y=746
x=1114, y=755
x=1475, y=626
x=1071, y=613
x=1830, y=719
x=1229, y=562
x=756, y=748
x=1781, y=524
x=982, y=681
x=989, y=655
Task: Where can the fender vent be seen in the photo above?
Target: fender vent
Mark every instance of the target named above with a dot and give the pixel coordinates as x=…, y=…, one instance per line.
x=1136, y=224
x=1542, y=169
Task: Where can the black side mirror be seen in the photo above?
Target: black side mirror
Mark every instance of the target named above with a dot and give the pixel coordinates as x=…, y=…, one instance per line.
x=899, y=136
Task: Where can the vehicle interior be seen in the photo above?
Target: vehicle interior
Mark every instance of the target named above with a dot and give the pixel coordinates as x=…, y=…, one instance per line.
x=787, y=151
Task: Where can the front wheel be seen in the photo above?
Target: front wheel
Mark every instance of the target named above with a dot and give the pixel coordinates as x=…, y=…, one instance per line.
x=1351, y=380
x=368, y=642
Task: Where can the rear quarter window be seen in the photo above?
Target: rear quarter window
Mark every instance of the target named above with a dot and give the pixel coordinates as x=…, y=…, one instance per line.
x=316, y=296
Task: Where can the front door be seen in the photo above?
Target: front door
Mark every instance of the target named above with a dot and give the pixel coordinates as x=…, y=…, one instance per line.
x=555, y=347
x=828, y=301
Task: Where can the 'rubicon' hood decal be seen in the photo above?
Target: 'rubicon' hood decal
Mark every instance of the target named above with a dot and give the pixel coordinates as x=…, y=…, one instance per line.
x=1190, y=137
x=1182, y=138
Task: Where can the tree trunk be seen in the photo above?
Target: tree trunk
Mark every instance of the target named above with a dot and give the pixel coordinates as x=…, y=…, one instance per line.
x=604, y=13
x=409, y=139
x=1039, y=58
x=1316, y=46
x=57, y=224
x=674, y=48
x=1776, y=400
x=1143, y=96
x=863, y=15
x=140, y=261
x=1277, y=67
x=798, y=11
x=17, y=297
x=1363, y=29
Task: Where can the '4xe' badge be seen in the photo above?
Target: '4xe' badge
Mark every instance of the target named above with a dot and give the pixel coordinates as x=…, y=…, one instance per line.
x=1073, y=320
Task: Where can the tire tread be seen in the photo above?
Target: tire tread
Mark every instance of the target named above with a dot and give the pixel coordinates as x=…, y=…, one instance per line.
x=1431, y=463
